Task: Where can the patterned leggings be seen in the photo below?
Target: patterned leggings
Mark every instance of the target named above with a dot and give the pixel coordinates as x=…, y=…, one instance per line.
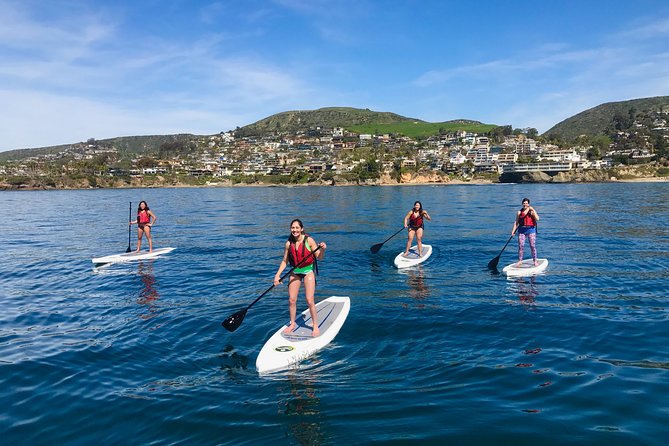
x=521, y=245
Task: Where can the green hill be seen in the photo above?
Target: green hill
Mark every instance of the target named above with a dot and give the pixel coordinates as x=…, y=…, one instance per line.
x=595, y=121
x=329, y=117
x=124, y=144
x=356, y=120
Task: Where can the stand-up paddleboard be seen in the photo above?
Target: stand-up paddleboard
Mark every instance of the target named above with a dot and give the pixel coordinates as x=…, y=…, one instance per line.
x=129, y=256
x=413, y=258
x=283, y=350
x=527, y=268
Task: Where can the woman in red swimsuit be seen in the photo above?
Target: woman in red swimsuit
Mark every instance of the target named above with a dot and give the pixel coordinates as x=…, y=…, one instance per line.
x=414, y=222
x=145, y=219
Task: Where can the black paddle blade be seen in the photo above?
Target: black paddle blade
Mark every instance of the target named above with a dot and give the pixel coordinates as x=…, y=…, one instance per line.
x=233, y=322
x=128, y=250
x=376, y=248
x=493, y=263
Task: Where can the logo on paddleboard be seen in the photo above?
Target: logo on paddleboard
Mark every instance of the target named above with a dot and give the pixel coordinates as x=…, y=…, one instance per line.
x=284, y=348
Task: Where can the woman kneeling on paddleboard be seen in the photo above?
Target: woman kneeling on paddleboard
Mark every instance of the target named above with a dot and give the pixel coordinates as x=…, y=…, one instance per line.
x=414, y=221
x=301, y=251
x=526, y=223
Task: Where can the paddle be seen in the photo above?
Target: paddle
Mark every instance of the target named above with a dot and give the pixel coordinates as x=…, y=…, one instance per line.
x=493, y=263
x=378, y=246
x=233, y=322
x=129, y=217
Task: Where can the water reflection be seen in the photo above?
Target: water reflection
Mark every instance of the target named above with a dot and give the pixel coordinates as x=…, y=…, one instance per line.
x=526, y=289
x=148, y=295
x=415, y=279
x=302, y=411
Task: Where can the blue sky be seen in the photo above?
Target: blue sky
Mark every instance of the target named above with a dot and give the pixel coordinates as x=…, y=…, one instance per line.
x=76, y=69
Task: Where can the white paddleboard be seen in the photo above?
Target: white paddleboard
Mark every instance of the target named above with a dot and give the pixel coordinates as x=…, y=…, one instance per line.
x=413, y=258
x=527, y=268
x=283, y=350
x=129, y=256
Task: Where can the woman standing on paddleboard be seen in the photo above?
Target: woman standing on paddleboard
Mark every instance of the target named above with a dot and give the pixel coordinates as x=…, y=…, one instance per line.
x=301, y=251
x=145, y=219
x=414, y=221
x=526, y=223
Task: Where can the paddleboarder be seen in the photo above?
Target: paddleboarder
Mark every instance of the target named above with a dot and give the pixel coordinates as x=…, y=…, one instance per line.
x=526, y=223
x=414, y=222
x=145, y=220
x=298, y=251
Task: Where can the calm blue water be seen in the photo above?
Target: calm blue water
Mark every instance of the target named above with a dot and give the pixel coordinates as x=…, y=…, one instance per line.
x=445, y=353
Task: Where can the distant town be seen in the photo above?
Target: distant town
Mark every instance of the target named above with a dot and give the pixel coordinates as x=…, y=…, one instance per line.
x=336, y=156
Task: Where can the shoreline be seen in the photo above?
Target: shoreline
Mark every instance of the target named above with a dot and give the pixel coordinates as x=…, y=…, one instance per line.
x=474, y=182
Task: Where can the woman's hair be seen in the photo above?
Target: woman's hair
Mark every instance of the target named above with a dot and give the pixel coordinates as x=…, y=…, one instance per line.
x=526, y=199
x=139, y=206
x=299, y=222
x=420, y=209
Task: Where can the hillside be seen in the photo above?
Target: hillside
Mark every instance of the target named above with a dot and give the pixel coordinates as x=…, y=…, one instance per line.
x=329, y=117
x=353, y=119
x=421, y=129
x=125, y=144
x=595, y=121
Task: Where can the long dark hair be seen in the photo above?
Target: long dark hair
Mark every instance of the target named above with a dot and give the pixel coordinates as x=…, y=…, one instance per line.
x=420, y=209
x=139, y=206
x=299, y=222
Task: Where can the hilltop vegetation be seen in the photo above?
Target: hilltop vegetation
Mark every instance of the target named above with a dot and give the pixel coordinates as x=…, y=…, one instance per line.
x=329, y=117
x=421, y=129
x=124, y=144
x=602, y=119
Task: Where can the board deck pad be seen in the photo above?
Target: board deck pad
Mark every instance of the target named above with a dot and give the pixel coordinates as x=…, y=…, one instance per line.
x=327, y=313
x=527, y=268
x=129, y=256
x=286, y=350
x=412, y=258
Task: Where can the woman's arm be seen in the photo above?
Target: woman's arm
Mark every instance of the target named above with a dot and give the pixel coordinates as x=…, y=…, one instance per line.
x=534, y=214
x=151, y=214
x=515, y=223
x=406, y=219
x=321, y=252
x=282, y=266
x=426, y=215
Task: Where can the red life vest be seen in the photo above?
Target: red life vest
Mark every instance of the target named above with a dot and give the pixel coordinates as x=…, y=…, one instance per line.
x=526, y=220
x=296, y=256
x=416, y=222
x=143, y=218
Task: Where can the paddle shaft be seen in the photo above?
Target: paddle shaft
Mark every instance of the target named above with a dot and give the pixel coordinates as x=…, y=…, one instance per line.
x=313, y=253
x=493, y=263
x=129, y=218
x=378, y=246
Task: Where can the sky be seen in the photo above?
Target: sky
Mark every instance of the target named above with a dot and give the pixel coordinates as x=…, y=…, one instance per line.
x=71, y=70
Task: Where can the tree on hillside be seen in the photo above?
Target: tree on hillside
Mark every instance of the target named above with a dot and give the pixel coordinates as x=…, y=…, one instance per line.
x=660, y=145
x=145, y=162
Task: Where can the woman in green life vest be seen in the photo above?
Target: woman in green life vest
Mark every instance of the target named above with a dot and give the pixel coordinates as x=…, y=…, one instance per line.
x=301, y=251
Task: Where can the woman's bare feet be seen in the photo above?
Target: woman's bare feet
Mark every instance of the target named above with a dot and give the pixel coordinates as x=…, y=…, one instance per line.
x=519, y=264
x=536, y=263
x=315, y=332
x=290, y=328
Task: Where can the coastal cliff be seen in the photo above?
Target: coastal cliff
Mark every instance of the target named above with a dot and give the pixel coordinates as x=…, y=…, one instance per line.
x=623, y=173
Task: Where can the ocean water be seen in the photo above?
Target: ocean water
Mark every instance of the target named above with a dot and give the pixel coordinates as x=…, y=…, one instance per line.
x=443, y=353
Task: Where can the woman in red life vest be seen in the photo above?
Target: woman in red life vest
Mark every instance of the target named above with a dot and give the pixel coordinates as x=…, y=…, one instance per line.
x=145, y=219
x=298, y=252
x=414, y=221
x=526, y=223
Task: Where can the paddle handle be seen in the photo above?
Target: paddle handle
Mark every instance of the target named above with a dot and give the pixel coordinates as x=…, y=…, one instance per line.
x=313, y=253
